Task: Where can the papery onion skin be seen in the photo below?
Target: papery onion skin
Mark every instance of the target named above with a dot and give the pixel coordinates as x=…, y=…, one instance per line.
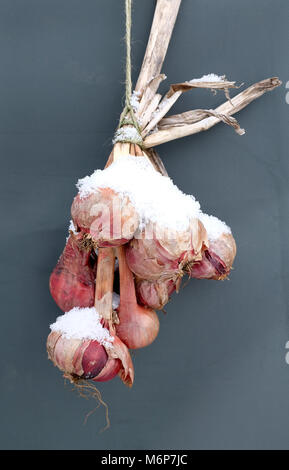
x=110, y=218
x=72, y=282
x=82, y=358
x=120, y=351
x=154, y=294
x=158, y=254
x=217, y=260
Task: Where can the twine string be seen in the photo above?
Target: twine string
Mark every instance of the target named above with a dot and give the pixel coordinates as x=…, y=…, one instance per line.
x=128, y=116
x=128, y=84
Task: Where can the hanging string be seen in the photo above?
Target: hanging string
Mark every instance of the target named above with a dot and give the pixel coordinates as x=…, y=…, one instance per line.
x=128, y=84
x=127, y=118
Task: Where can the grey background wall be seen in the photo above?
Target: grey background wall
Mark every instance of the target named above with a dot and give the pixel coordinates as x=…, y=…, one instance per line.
x=216, y=377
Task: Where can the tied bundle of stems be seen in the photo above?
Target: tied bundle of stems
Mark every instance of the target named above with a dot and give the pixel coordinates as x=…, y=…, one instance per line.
x=110, y=307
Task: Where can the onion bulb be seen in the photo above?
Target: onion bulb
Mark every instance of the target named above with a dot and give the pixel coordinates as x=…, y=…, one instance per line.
x=154, y=294
x=72, y=282
x=160, y=254
x=217, y=260
x=90, y=359
x=109, y=218
x=138, y=326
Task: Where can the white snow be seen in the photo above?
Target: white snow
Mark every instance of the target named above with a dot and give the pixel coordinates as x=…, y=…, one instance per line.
x=155, y=197
x=211, y=77
x=82, y=323
x=115, y=300
x=214, y=226
x=72, y=228
x=134, y=100
x=127, y=134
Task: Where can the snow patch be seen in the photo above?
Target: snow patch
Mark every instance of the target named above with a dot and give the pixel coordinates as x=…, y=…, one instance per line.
x=82, y=323
x=214, y=226
x=155, y=197
x=127, y=134
x=211, y=77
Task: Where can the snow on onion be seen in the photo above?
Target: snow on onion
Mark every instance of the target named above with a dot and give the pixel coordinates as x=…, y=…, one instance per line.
x=158, y=234
x=83, y=348
x=132, y=210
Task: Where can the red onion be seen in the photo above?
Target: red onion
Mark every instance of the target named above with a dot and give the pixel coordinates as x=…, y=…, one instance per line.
x=154, y=294
x=72, y=282
x=138, y=326
x=77, y=357
x=164, y=255
x=88, y=359
x=104, y=355
x=217, y=260
x=110, y=219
